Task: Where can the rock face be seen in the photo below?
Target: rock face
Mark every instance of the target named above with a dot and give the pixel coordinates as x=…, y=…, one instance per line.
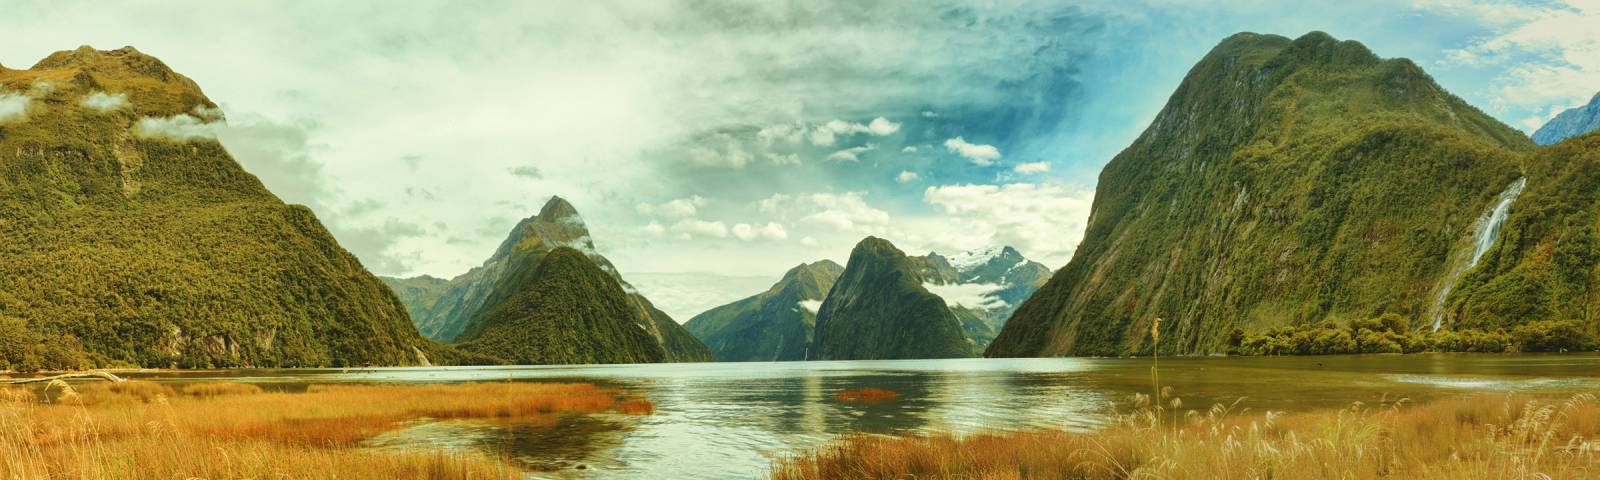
x=448, y=313
x=775, y=325
x=1285, y=182
x=999, y=278
x=129, y=236
x=1571, y=123
x=879, y=309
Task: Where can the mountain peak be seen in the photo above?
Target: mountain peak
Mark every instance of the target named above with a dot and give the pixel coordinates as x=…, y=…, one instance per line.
x=1570, y=123
x=557, y=208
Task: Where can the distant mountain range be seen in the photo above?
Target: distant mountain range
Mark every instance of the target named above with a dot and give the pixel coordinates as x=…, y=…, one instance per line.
x=1571, y=123
x=124, y=243
x=976, y=291
x=547, y=297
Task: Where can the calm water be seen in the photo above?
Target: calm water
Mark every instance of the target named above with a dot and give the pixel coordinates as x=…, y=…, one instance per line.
x=728, y=420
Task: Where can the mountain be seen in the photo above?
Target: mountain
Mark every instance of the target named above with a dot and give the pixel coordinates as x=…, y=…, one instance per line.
x=560, y=308
x=1571, y=123
x=879, y=309
x=1004, y=277
x=773, y=325
x=1284, y=182
x=448, y=312
x=130, y=237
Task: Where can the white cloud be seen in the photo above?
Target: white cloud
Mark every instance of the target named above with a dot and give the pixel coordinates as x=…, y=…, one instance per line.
x=178, y=128
x=721, y=150
x=104, y=102
x=1548, y=53
x=13, y=106
x=770, y=231
x=852, y=154
x=809, y=241
x=783, y=159
x=909, y=149
x=696, y=228
x=655, y=228
x=1045, y=220
x=811, y=305
x=679, y=208
x=684, y=295
x=906, y=176
x=970, y=295
x=980, y=155
x=1032, y=168
x=826, y=133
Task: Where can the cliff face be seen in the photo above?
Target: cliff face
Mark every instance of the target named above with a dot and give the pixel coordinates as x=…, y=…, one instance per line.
x=131, y=237
x=1571, y=123
x=879, y=309
x=1285, y=182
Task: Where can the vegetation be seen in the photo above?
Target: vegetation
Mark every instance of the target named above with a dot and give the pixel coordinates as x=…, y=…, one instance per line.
x=1479, y=437
x=142, y=430
x=1391, y=333
x=878, y=309
x=772, y=325
x=123, y=248
x=1286, y=182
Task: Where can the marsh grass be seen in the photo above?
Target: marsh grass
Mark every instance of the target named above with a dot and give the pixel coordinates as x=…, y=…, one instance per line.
x=1509, y=437
x=143, y=430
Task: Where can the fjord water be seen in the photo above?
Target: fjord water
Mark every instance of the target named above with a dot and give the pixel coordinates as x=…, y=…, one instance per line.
x=728, y=420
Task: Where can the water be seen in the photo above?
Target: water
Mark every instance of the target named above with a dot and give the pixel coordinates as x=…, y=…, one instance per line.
x=728, y=420
x=1483, y=237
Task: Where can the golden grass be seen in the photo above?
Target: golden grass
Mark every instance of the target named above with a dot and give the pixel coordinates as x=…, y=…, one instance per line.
x=221, y=389
x=1509, y=437
x=138, y=430
x=865, y=395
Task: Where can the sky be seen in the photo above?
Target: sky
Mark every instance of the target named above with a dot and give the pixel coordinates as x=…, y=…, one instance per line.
x=731, y=140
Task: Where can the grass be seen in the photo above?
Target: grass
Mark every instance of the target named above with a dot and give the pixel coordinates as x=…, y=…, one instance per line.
x=865, y=395
x=137, y=430
x=1479, y=437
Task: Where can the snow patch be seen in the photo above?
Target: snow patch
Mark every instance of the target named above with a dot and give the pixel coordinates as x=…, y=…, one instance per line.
x=811, y=305
x=968, y=260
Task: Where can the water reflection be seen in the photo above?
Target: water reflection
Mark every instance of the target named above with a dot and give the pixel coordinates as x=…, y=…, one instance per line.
x=729, y=420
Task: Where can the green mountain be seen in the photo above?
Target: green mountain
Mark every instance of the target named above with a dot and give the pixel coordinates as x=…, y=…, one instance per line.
x=879, y=309
x=129, y=236
x=773, y=325
x=1285, y=182
x=560, y=308
x=448, y=312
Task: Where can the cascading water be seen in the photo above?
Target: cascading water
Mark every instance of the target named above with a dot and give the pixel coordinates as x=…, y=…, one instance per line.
x=1484, y=234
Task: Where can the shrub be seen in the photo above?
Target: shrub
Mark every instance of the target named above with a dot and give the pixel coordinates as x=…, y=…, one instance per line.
x=1552, y=336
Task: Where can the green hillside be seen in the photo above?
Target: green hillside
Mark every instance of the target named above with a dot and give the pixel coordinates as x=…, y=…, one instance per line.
x=124, y=245
x=773, y=325
x=1286, y=182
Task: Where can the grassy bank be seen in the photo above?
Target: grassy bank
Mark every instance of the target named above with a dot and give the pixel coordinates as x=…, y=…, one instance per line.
x=139, y=430
x=1498, y=437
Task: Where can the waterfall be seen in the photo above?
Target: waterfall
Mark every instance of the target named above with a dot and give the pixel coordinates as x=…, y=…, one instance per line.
x=1485, y=231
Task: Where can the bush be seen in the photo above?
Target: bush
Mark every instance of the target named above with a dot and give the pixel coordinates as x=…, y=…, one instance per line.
x=1552, y=336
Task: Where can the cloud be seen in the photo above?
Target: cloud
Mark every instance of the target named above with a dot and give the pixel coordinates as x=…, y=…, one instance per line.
x=841, y=211
x=527, y=171
x=719, y=150
x=13, y=106
x=852, y=154
x=679, y=208
x=970, y=295
x=103, y=102
x=981, y=155
x=770, y=231
x=783, y=159
x=810, y=305
x=1547, y=54
x=696, y=228
x=177, y=128
x=1043, y=220
x=1032, y=168
x=906, y=176
x=684, y=295
x=809, y=241
x=909, y=149
x=826, y=133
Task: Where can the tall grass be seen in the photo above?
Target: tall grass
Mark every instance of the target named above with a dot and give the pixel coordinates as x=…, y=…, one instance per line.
x=139, y=430
x=1509, y=437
